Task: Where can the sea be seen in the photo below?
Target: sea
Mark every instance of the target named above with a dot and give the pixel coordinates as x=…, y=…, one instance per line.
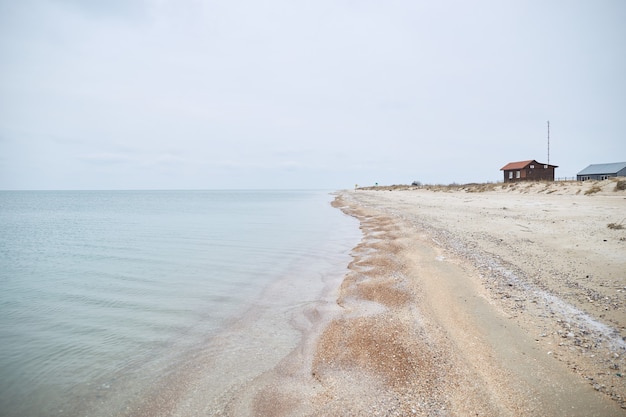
x=104, y=295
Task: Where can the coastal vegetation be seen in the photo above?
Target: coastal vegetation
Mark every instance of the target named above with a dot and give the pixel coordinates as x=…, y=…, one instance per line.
x=588, y=188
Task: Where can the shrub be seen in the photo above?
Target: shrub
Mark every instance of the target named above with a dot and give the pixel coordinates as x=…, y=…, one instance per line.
x=620, y=185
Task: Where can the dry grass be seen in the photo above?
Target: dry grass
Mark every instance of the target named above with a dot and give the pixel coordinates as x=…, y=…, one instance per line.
x=594, y=189
x=616, y=226
x=549, y=187
x=481, y=188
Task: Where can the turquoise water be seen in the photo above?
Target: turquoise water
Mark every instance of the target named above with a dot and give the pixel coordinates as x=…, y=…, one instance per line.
x=106, y=288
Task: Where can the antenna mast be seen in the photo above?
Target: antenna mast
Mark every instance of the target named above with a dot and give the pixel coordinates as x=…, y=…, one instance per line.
x=548, y=142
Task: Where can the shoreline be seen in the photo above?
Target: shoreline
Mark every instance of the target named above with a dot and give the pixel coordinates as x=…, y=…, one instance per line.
x=440, y=316
x=219, y=372
x=453, y=304
x=518, y=311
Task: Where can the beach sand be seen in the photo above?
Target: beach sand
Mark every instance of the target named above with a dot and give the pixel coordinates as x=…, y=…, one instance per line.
x=509, y=301
x=501, y=300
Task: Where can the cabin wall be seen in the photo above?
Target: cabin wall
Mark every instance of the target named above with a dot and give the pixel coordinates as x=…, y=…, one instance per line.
x=533, y=172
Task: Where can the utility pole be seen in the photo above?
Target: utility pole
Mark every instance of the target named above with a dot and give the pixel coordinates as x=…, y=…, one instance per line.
x=548, y=142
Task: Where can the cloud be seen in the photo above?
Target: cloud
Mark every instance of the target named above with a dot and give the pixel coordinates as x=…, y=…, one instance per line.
x=105, y=158
x=180, y=92
x=105, y=9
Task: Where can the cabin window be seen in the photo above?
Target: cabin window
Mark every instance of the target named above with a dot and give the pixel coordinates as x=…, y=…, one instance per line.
x=517, y=174
x=510, y=175
x=532, y=167
x=545, y=167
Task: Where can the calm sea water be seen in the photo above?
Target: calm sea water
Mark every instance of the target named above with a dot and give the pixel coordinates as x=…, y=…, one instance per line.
x=100, y=291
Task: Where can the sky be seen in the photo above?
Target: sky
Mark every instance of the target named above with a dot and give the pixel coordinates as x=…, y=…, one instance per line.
x=323, y=94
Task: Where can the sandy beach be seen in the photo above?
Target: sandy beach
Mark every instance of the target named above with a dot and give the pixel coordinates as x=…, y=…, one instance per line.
x=484, y=300
x=508, y=300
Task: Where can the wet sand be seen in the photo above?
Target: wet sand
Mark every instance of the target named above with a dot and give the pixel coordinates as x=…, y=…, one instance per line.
x=505, y=302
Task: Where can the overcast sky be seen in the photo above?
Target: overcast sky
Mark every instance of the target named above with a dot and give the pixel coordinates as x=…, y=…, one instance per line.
x=203, y=94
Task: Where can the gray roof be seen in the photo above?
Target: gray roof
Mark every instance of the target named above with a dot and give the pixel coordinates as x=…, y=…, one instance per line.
x=595, y=169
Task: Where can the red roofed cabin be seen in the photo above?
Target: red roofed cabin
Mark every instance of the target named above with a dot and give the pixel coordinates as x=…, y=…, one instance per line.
x=528, y=171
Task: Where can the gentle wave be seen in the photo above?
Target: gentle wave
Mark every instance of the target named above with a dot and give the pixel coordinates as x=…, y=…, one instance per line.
x=104, y=289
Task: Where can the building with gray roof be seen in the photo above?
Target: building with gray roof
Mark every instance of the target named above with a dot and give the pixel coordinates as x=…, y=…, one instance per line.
x=602, y=171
